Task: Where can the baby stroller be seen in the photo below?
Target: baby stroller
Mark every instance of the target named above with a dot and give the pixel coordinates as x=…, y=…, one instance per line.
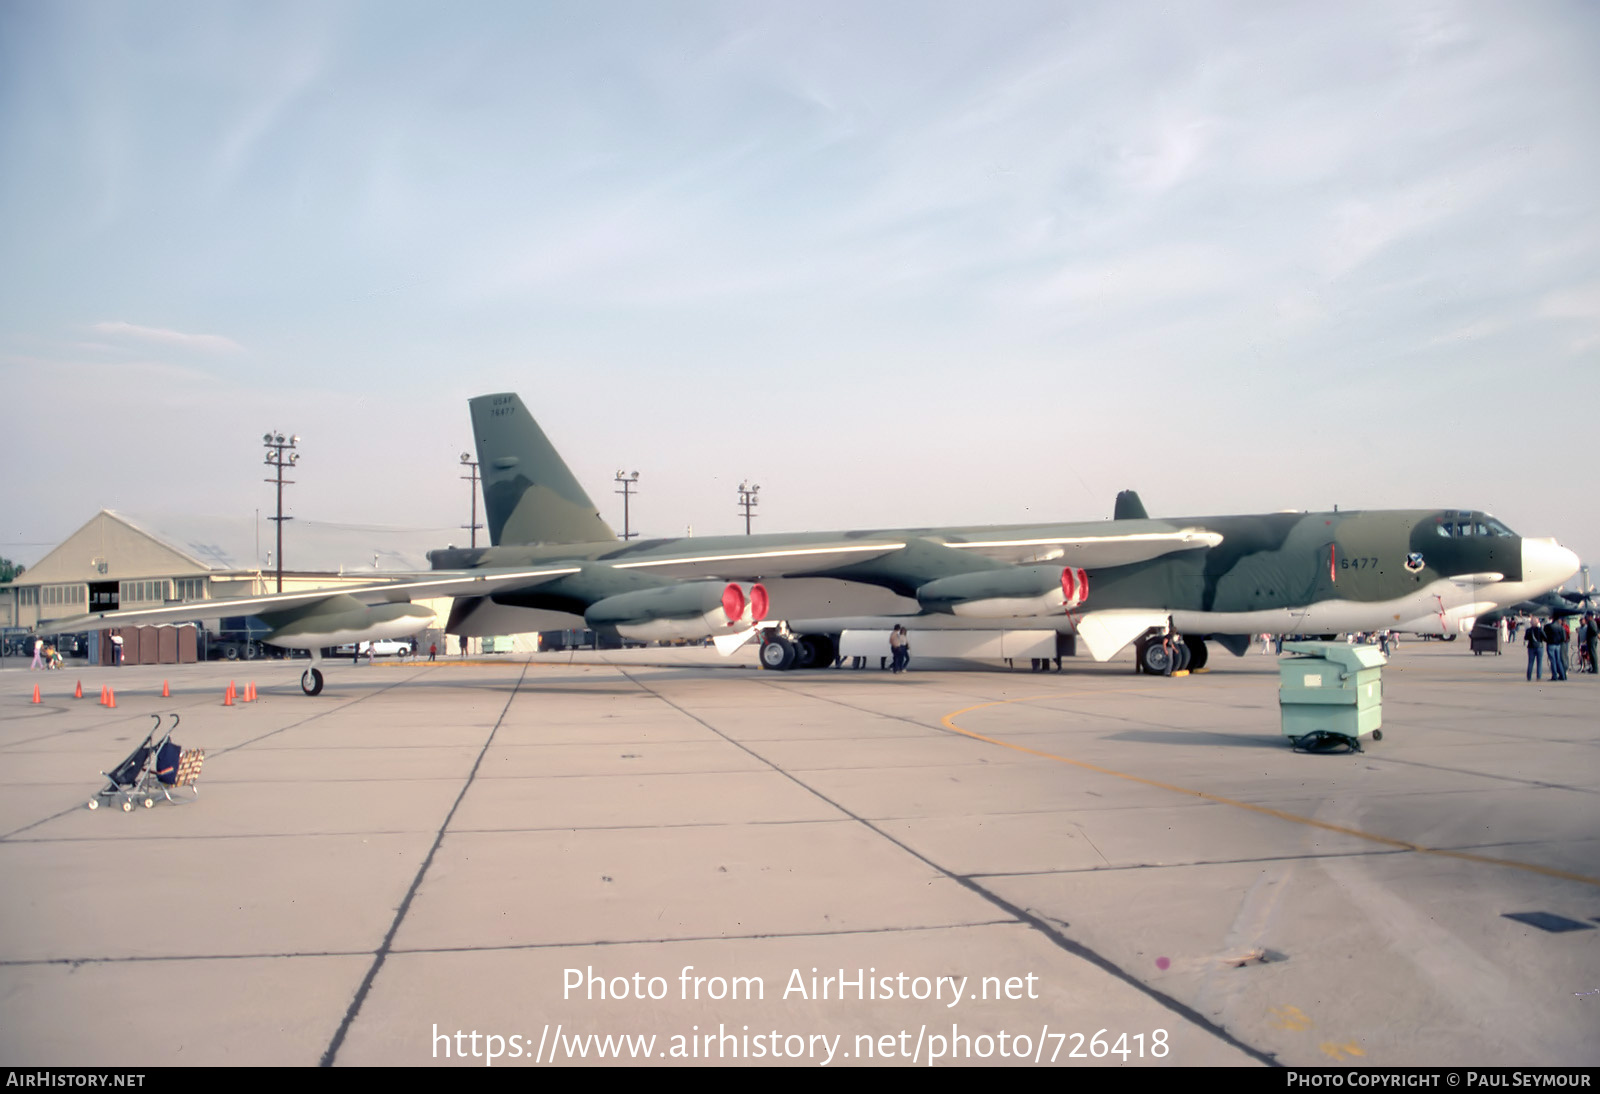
x=155, y=769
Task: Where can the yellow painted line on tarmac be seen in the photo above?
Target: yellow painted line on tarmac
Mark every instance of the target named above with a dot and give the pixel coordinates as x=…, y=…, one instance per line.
x=1294, y=818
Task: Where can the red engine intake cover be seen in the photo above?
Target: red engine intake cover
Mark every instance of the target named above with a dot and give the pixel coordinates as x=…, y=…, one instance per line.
x=758, y=603
x=732, y=602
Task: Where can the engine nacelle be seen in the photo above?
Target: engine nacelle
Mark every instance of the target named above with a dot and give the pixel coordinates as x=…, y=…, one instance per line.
x=1014, y=593
x=695, y=609
x=341, y=619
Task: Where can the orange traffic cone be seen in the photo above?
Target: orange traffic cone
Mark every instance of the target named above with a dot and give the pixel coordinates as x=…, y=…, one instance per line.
x=112, y=696
x=79, y=693
x=36, y=693
x=165, y=692
x=227, y=697
x=104, y=691
x=250, y=692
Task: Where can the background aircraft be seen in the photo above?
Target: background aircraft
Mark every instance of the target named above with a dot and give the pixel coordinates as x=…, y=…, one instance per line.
x=554, y=562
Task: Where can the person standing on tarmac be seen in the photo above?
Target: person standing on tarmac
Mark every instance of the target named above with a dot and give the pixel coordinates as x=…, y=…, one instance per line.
x=1553, y=649
x=897, y=649
x=1535, y=643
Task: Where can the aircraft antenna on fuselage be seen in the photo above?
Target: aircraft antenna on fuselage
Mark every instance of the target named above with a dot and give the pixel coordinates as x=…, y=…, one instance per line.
x=530, y=495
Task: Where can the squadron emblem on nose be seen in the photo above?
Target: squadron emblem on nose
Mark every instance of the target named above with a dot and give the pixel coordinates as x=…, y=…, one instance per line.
x=1414, y=562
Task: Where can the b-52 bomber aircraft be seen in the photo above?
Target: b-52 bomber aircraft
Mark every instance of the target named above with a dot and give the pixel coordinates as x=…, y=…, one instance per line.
x=1165, y=585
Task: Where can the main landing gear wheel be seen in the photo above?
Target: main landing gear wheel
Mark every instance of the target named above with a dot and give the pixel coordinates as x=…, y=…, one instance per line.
x=1181, y=656
x=825, y=651
x=777, y=653
x=1154, y=658
x=1197, y=652
x=810, y=652
x=311, y=682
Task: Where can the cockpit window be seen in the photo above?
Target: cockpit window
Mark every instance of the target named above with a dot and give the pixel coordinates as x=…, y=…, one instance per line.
x=1487, y=526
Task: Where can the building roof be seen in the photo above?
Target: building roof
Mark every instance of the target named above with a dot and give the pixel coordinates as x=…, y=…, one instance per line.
x=309, y=546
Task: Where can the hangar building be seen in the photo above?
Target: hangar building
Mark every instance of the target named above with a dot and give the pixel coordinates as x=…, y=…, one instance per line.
x=122, y=560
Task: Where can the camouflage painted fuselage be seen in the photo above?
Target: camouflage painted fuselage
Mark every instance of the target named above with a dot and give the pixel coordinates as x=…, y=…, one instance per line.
x=1284, y=572
x=1262, y=573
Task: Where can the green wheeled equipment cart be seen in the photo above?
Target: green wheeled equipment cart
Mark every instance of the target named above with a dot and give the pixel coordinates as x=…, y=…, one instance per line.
x=1330, y=695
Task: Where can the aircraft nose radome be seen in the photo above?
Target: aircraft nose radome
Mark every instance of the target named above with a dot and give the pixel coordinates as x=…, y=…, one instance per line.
x=1546, y=563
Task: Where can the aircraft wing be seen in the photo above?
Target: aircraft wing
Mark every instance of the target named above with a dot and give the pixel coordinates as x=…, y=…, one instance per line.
x=1090, y=551
x=817, y=555
x=399, y=591
x=755, y=562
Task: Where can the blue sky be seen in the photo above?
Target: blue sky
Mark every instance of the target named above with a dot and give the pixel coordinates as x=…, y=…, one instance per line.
x=901, y=264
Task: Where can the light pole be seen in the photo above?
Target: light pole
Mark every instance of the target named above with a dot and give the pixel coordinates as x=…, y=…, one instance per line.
x=747, y=501
x=468, y=462
x=628, y=482
x=275, y=444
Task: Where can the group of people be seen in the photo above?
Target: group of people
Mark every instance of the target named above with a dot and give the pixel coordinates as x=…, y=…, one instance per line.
x=44, y=657
x=899, y=649
x=1386, y=641
x=1550, y=641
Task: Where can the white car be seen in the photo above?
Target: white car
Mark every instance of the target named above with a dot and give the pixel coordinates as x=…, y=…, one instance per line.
x=383, y=647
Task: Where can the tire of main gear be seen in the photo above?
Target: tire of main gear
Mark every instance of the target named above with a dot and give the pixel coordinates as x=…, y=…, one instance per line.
x=777, y=654
x=1155, y=659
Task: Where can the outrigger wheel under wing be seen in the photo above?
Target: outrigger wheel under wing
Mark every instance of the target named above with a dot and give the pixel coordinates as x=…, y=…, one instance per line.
x=311, y=679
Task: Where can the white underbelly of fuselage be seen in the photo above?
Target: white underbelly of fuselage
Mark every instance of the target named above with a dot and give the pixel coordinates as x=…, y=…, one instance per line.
x=1440, y=607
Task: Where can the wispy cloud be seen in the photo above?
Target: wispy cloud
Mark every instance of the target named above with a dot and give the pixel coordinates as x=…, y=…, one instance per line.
x=1582, y=302
x=205, y=343
x=298, y=74
x=1580, y=308
x=1472, y=332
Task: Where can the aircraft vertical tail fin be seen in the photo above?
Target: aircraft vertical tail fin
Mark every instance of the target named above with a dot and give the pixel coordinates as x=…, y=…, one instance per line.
x=529, y=493
x=1129, y=507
